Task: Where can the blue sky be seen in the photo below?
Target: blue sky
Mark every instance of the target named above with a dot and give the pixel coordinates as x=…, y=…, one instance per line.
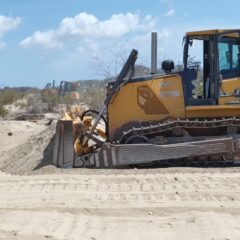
x=87, y=39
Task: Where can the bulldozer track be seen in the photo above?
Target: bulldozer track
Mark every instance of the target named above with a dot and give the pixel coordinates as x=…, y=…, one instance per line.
x=151, y=128
x=68, y=206
x=159, y=128
x=108, y=184
x=150, y=190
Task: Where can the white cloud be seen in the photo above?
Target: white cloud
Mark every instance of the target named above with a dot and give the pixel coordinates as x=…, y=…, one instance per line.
x=170, y=13
x=85, y=25
x=164, y=33
x=7, y=24
x=47, y=40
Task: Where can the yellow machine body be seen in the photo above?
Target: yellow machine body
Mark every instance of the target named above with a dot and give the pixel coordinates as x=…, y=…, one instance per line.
x=223, y=109
x=162, y=98
x=154, y=99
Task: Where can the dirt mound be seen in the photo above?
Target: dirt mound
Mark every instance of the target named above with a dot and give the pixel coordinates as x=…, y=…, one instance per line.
x=34, y=153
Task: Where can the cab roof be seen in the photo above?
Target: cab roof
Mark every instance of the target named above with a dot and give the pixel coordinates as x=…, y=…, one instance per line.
x=204, y=33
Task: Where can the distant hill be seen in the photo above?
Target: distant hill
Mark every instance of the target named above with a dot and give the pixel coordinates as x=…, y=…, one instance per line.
x=20, y=89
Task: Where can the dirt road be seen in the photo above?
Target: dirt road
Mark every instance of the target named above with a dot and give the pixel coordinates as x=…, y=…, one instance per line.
x=137, y=204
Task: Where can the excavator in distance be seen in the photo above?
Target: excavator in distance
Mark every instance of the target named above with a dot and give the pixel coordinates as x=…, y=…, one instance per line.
x=164, y=118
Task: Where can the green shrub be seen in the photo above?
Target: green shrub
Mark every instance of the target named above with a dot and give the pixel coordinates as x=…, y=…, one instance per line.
x=8, y=96
x=3, y=111
x=51, y=100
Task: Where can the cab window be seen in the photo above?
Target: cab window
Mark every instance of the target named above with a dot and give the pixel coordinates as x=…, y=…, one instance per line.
x=229, y=58
x=235, y=56
x=224, y=56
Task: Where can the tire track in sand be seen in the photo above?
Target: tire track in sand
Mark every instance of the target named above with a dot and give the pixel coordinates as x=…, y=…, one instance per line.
x=111, y=191
x=152, y=206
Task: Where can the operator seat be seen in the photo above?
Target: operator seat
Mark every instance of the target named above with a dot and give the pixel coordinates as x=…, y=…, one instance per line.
x=188, y=76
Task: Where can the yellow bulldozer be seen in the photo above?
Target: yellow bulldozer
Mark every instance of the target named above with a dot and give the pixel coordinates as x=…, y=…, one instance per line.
x=66, y=89
x=178, y=116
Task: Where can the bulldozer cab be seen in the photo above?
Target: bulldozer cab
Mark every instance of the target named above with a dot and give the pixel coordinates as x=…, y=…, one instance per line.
x=211, y=74
x=69, y=89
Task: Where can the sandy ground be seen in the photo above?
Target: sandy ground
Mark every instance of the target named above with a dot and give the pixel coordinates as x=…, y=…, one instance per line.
x=38, y=201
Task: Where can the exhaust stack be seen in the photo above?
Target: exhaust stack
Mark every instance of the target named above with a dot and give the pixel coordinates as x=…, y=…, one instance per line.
x=154, y=53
